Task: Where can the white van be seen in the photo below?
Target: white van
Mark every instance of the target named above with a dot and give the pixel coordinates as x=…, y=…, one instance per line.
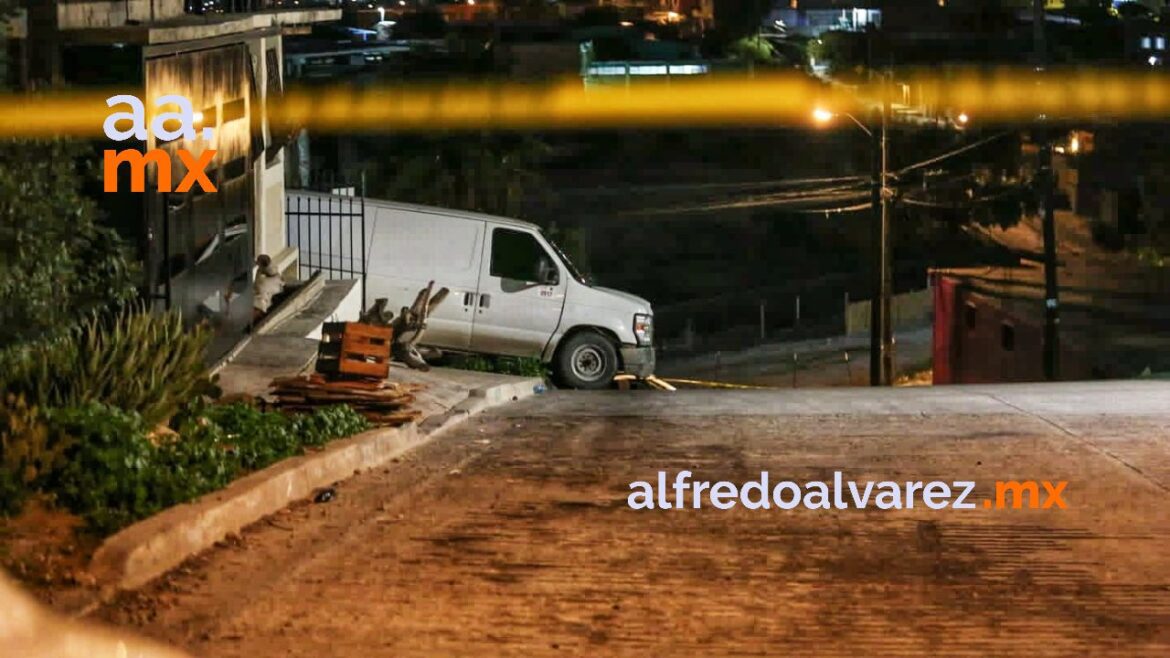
x=513, y=292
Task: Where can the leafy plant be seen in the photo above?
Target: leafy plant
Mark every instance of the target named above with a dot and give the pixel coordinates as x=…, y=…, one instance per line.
x=503, y=365
x=56, y=262
x=28, y=452
x=132, y=359
x=112, y=472
x=116, y=473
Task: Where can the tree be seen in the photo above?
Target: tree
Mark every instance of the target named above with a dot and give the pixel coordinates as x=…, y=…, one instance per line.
x=740, y=18
x=842, y=51
x=752, y=49
x=57, y=263
x=482, y=172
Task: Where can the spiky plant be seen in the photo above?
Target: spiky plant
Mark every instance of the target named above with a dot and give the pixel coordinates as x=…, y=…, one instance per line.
x=131, y=359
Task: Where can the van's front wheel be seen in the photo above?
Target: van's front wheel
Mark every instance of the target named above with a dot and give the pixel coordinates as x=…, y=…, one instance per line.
x=587, y=361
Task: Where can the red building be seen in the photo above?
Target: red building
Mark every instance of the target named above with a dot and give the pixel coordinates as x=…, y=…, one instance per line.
x=989, y=323
x=983, y=334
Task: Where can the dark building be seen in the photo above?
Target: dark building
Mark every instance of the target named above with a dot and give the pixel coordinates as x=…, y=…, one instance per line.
x=198, y=249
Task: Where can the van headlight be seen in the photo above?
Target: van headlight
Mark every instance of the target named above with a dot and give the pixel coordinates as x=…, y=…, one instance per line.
x=644, y=328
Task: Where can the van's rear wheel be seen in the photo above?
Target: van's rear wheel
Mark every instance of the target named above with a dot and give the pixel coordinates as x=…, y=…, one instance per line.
x=587, y=361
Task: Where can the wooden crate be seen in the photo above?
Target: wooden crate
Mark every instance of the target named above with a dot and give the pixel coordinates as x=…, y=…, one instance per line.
x=354, y=349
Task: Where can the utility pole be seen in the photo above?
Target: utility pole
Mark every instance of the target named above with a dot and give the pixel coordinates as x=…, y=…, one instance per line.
x=875, y=306
x=1051, y=289
x=1048, y=180
x=1039, y=48
x=881, y=354
x=887, y=277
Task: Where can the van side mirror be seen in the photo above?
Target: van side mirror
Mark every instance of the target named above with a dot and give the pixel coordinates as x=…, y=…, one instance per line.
x=547, y=273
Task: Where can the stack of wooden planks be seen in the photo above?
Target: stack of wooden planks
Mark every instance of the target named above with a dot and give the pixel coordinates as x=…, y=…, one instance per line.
x=382, y=403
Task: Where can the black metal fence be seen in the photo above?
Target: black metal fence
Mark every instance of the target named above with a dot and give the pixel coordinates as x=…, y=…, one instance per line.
x=804, y=309
x=329, y=230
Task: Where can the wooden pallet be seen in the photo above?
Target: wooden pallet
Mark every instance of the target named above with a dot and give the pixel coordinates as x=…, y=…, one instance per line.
x=355, y=350
x=381, y=402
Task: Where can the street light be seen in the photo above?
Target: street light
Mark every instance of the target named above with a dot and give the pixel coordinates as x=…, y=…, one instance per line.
x=823, y=117
x=881, y=344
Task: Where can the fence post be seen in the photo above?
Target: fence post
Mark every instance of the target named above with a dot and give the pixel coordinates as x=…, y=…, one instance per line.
x=846, y=312
x=763, y=333
x=797, y=309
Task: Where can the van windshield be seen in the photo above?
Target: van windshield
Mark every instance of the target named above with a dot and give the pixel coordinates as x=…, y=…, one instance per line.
x=573, y=271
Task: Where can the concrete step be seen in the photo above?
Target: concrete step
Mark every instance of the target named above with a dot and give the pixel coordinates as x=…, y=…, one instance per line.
x=338, y=301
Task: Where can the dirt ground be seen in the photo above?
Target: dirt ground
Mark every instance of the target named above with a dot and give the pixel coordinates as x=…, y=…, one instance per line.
x=512, y=536
x=47, y=551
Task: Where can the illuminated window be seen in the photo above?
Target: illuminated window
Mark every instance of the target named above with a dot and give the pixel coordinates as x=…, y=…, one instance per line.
x=1160, y=43
x=1145, y=43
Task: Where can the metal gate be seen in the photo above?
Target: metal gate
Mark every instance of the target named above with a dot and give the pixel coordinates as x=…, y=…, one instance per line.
x=329, y=230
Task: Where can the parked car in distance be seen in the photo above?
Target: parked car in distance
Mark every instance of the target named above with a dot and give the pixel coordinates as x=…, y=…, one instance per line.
x=512, y=291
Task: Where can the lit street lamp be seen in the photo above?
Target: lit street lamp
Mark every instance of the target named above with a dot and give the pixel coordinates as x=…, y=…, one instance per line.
x=881, y=344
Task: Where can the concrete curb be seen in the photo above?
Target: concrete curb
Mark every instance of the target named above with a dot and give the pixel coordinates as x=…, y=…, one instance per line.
x=150, y=548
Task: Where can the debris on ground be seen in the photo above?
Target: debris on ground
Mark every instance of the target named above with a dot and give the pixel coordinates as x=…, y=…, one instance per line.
x=324, y=495
x=382, y=403
x=410, y=324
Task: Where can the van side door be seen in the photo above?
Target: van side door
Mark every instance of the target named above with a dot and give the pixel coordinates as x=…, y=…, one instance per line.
x=409, y=248
x=522, y=290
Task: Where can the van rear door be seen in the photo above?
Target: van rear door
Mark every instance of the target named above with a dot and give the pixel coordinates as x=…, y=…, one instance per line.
x=519, y=304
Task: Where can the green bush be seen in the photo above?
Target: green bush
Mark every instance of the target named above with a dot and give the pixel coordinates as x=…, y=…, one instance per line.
x=57, y=263
x=501, y=365
x=116, y=474
x=112, y=475
x=29, y=453
x=131, y=359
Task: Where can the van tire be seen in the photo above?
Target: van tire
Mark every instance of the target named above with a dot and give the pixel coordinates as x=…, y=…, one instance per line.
x=586, y=360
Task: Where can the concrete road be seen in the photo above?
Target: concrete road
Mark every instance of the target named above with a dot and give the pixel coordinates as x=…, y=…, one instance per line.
x=512, y=535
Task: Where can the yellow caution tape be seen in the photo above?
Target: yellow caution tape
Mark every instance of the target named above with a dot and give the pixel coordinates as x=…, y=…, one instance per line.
x=707, y=384
x=773, y=100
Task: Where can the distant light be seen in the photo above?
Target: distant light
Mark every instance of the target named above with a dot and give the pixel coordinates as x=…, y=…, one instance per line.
x=198, y=117
x=1153, y=60
x=1074, y=145
x=627, y=24
x=963, y=118
x=822, y=116
x=471, y=2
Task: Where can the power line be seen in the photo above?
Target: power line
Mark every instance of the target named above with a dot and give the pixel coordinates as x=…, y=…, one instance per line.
x=951, y=154
x=692, y=187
